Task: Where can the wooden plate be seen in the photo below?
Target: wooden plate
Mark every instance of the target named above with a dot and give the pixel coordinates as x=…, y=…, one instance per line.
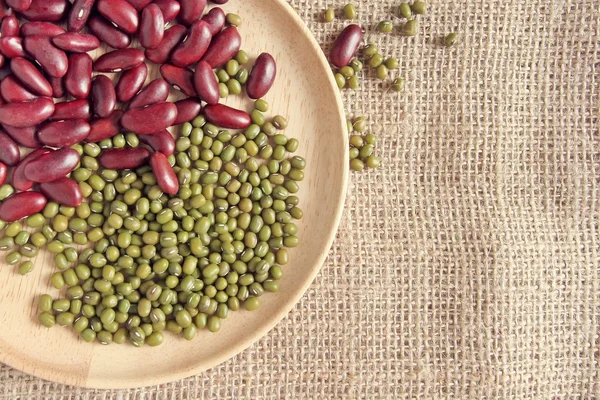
x=305, y=92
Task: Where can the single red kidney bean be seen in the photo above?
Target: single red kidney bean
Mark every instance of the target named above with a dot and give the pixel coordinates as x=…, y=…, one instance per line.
x=156, y=91
x=28, y=113
x=107, y=33
x=52, y=59
x=130, y=82
x=46, y=10
x=165, y=176
x=75, y=109
x=104, y=98
x=41, y=28
x=223, y=47
x=19, y=5
x=193, y=46
x=3, y=173
x=119, y=12
x=58, y=86
x=79, y=14
x=13, y=91
x=64, y=133
x=18, y=176
x=21, y=205
x=12, y=47
x=64, y=191
x=206, y=83
x=150, y=119
x=78, y=80
x=215, y=19
x=172, y=37
x=117, y=60
x=180, y=78
x=105, y=128
x=170, y=9
x=139, y=4
x=31, y=77
x=9, y=150
x=262, y=76
x=161, y=141
x=345, y=46
x=52, y=166
x=187, y=110
x=191, y=11
x=226, y=117
x=10, y=26
x=124, y=158
x=26, y=137
x=152, y=27
x=76, y=42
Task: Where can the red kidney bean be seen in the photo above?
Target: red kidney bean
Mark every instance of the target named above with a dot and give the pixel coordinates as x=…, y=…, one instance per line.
x=78, y=80
x=150, y=119
x=262, y=76
x=226, y=117
x=119, y=12
x=206, y=83
x=13, y=91
x=107, y=33
x=28, y=113
x=21, y=205
x=161, y=141
x=19, y=5
x=64, y=133
x=52, y=166
x=9, y=150
x=165, y=176
x=105, y=128
x=58, y=86
x=223, y=47
x=172, y=37
x=46, y=10
x=18, y=176
x=170, y=9
x=10, y=26
x=104, y=98
x=79, y=14
x=187, y=110
x=124, y=158
x=12, y=47
x=3, y=173
x=26, y=137
x=191, y=11
x=76, y=42
x=180, y=78
x=152, y=27
x=53, y=60
x=117, y=60
x=215, y=19
x=345, y=46
x=130, y=82
x=63, y=191
x=156, y=91
x=76, y=109
x=139, y=4
x=31, y=77
x=41, y=28
x=194, y=45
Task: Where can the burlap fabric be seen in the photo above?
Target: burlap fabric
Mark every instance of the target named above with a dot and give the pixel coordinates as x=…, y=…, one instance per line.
x=468, y=265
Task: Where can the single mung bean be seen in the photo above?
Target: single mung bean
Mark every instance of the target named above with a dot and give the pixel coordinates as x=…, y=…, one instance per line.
x=349, y=11
x=382, y=72
x=340, y=80
x=398, y=85
x=385, y=26
x=376, y=60
x=391, y=63
x=329, y=15
x=450, y=39
x=241, y=57
x=410, y=27
x=419, y=7
x=357, y=165
x=233, y=19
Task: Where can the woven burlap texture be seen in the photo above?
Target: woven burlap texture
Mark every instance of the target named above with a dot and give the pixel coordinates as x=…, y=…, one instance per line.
x=468, y=265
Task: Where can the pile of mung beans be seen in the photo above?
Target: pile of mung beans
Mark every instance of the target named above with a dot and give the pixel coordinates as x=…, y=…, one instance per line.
x=150, y=233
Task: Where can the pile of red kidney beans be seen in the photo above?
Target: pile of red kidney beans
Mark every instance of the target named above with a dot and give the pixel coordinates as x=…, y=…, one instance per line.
x=44, y=63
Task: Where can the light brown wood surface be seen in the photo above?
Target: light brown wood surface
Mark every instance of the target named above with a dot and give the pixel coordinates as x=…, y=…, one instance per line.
x=304, y=92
